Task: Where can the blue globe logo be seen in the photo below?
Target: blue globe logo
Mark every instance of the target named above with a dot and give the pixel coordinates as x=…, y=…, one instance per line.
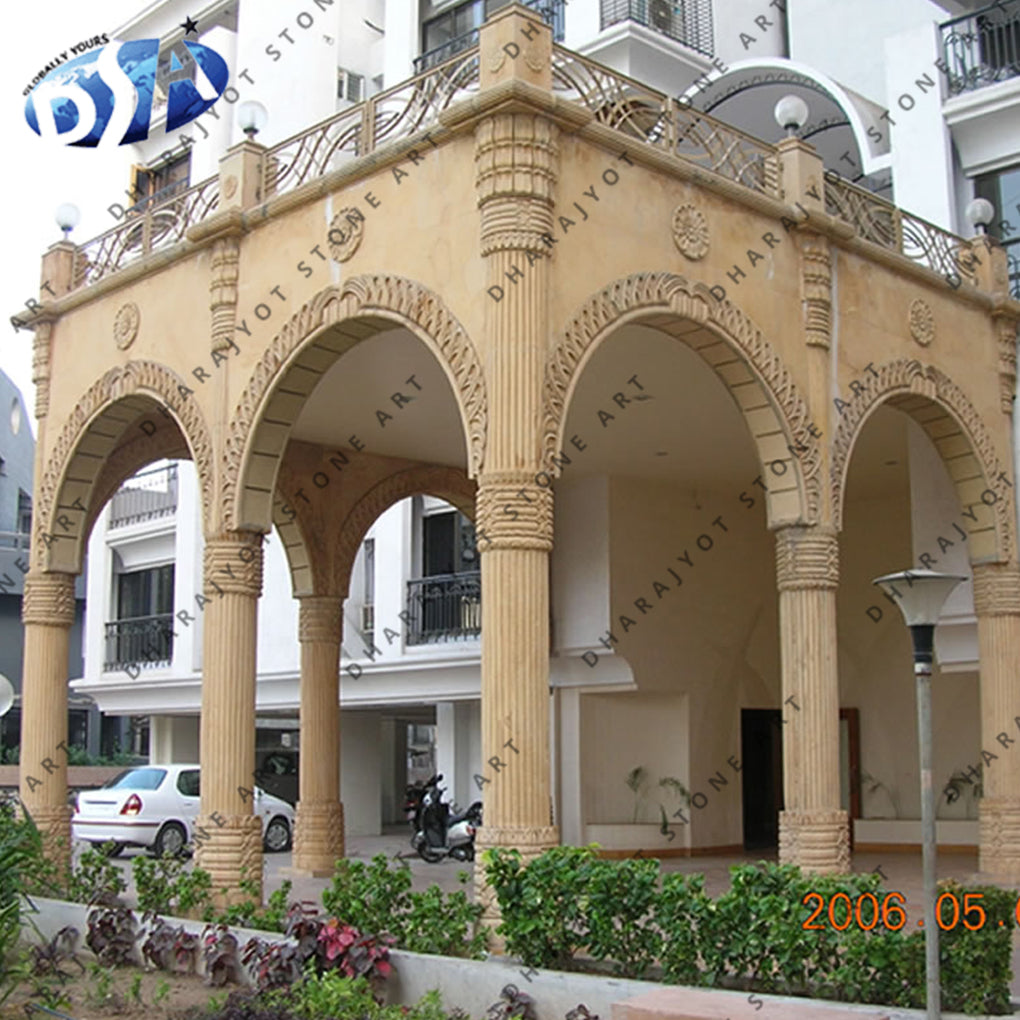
x=106, y=94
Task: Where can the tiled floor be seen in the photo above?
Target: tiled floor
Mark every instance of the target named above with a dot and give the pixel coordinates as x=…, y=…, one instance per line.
x=902, y=873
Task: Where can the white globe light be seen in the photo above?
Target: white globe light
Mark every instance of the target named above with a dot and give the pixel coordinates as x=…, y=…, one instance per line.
x=980, y=212
x=251, y=117
x=791, y=113
x=68, y=216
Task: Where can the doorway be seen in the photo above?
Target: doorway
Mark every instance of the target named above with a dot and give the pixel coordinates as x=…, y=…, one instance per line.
x=761, y=756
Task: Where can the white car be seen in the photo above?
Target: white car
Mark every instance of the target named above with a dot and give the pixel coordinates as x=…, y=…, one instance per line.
x=156, y=807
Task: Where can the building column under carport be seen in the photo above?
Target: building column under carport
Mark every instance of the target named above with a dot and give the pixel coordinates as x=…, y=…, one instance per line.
x=319, y=825
x=231, y=849
x=997, y=606
x=458, y=749
x=47, y=612
x=813, y=829
x=173, y=739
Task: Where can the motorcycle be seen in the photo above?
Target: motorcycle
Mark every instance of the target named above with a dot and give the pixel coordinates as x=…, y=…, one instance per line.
x=437, y=832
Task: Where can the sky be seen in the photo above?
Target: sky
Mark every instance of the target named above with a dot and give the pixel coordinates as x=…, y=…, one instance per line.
x=39, y=177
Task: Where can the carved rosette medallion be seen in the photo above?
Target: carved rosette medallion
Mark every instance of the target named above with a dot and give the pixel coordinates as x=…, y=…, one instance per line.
x=125, y=325
x=690, y=231
x=229, y=187
x=922, y=322
x=346, y=232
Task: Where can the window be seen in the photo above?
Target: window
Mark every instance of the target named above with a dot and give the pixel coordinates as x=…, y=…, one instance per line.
x=137, y=779
x=1002, y=189
x=145, y=593
x=24, y=512
x=448, y=544
x=350, y=86
x=152, y=185
x=368, y=602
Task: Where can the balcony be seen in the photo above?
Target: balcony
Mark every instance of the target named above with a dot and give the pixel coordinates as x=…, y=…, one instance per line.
x=444, y=607
x=550, y=11
x=145, y=497
x=14, y=539
x=685, y=21
x=141, y=639
x=982, y=48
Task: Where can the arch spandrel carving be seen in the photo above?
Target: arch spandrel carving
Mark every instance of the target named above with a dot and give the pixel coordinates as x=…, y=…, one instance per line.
x=119, y=387
x=910, y=386
x=700, y=319
x=378, y=301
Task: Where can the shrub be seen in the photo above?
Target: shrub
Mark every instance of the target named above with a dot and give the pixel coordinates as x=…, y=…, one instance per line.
x=164, y=886
x=377, y=897
x=95, y=879
x=19, y=842
x=620, y=900
x=542, y=903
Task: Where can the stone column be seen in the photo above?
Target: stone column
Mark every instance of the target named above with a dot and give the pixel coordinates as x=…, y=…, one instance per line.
x=319, y=832
x=997, y=605
x=517, y=787
x=813, y=829
x=47, y=611
x=229, y=841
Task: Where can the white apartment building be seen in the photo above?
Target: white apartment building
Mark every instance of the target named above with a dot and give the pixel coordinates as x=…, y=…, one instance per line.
x=917, y=101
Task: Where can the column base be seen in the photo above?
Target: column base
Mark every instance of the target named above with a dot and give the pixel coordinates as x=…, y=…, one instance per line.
x=54, y=825
x=318, y=838
x=231, y=853
x=817, y=841
x=999, y=840
x=530, y=842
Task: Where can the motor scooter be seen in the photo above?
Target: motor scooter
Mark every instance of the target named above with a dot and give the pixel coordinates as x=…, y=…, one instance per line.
x=438, y=833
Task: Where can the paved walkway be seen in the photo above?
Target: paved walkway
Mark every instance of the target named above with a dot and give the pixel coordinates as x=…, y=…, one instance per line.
x=902, y=873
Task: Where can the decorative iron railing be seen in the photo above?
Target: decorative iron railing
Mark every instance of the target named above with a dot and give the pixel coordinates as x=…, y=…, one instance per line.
x=444, y=606
x=143, y=639
x=876, y=220
x=159, y=226
x=686, y=21
x=14, y=540
x=146, y=496
x=982, y=48
x=645, y=113
x=396, y=113
x=1013, y=263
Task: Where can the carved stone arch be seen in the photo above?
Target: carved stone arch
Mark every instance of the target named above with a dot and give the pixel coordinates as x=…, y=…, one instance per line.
x=356, y=309
x=87, y=457
x=952, y=423
x=447, y=483
x=729, y=342
x=308, y=574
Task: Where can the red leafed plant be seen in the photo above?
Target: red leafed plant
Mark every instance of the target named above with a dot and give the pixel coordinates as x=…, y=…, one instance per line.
x=356, y=955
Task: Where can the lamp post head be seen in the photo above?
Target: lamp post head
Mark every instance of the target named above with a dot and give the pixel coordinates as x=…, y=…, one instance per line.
x=68, y=217
x=791, y=113
x=980, y=212
x=251, y=118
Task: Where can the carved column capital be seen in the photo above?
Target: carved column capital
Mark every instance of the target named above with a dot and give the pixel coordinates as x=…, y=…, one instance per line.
x=233, y=564
x=806, y=558
x=41, y=367
x=513, y=511
x=516, y=156
x=223, y=279
x=48, y=599
x=816, y=281
x=996, y=589
x=320, y=618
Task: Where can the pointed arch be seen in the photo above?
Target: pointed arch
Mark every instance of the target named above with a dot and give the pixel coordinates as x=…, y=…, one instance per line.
x=90, y=450
x=731, y=344
x=963, y=441
x=357, y=309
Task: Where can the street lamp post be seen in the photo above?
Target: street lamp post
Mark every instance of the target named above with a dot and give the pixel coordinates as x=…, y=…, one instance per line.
x=921, y=595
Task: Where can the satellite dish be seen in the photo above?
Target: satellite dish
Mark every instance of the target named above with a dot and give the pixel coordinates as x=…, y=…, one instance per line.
x=6, y=695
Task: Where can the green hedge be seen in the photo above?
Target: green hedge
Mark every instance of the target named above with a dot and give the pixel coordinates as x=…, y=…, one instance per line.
x=569, y=902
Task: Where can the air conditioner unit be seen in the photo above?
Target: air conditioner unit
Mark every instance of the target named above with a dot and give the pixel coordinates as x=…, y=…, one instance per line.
x=367, y=619
x=350, y=86
x=667, y=17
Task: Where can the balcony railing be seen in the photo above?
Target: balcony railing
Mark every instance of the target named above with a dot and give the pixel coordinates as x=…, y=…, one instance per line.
x=550, y=11
x=982, y=48
x=1013, y=262
x=444, y=607
x=145, y=497
x=144, y=639
x=686, y=21
x=14, y=540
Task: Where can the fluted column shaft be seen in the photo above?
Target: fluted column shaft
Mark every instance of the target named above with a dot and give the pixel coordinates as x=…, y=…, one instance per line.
x=319, y=832
x=229, y=845
x=47, y=611
x=997, y=605
x=813, y=829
